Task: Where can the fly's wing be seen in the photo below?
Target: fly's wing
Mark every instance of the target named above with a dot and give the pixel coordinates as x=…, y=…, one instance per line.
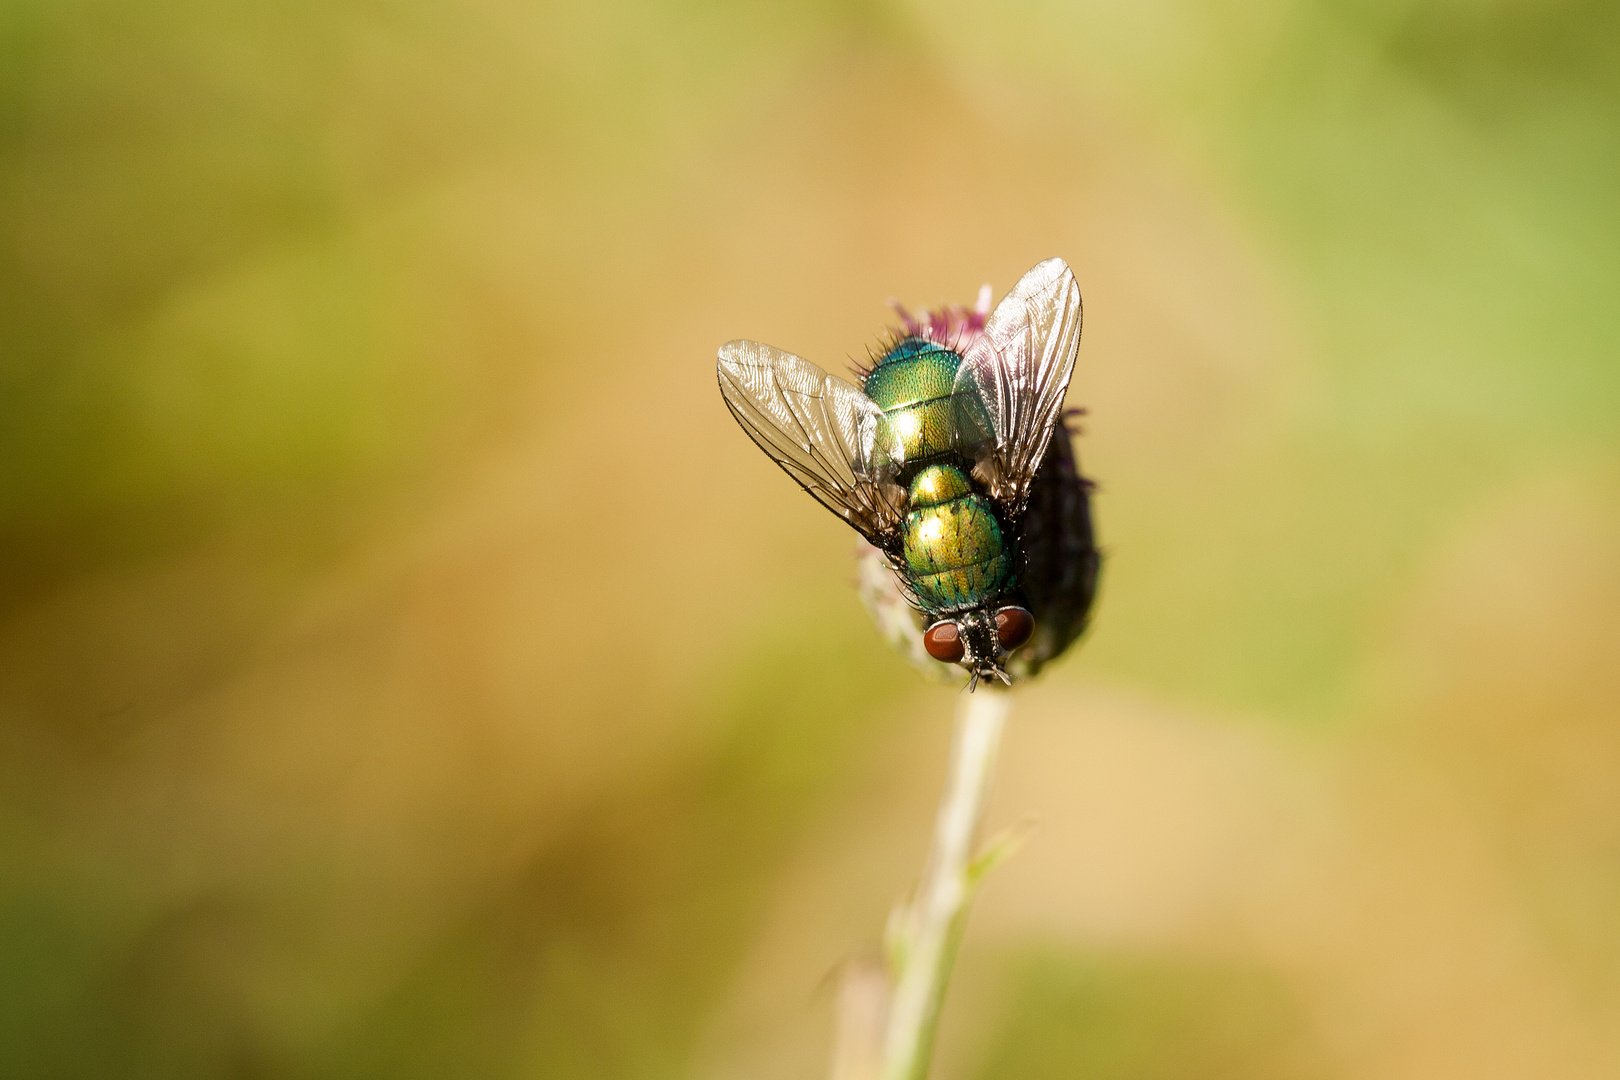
x=1011, y=383
x=827, y=435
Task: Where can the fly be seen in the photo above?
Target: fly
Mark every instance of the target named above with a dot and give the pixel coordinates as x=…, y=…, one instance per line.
x=934, y=459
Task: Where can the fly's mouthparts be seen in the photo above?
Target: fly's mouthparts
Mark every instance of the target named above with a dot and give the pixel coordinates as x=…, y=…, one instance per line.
x=986, y=672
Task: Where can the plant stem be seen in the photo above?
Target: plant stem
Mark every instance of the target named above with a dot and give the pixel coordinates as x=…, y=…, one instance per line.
x=924, y=933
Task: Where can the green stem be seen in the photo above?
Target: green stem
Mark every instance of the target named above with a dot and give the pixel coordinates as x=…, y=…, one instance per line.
x=925, y=932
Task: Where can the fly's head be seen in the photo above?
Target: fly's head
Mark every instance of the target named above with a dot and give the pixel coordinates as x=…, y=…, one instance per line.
x=980, y=640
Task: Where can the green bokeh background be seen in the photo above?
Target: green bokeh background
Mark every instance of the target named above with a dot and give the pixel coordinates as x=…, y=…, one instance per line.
x=408, y=670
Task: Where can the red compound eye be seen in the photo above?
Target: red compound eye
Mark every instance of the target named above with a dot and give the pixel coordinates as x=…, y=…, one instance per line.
x=944, y=642
x=1014, y=625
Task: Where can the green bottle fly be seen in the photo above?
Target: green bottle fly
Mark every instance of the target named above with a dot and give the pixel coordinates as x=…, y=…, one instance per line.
x=935, y=459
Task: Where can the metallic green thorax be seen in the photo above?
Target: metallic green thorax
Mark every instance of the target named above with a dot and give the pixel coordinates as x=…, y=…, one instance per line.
x=956, y=553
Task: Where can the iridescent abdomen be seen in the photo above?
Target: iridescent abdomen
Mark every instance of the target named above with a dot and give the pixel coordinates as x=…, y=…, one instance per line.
x=913, y=384
x=955, y=552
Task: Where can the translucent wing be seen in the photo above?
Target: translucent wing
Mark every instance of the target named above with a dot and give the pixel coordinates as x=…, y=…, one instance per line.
x=827, y=435
x=1013, y=378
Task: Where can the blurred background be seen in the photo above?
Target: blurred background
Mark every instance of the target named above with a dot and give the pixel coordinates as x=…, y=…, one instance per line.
x=408, y=669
